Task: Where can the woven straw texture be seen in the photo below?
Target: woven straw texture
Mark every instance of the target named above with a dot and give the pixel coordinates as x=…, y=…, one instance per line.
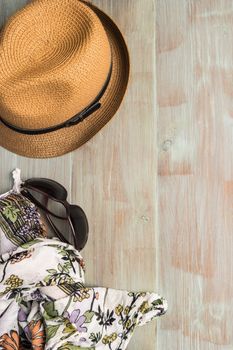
x=55, y=57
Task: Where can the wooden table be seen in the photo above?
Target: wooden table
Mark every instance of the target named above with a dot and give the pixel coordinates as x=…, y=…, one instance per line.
x=157, y=181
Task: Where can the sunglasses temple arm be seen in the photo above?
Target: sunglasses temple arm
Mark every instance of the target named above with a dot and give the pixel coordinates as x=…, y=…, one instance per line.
x=76, y=243
x=58, y=233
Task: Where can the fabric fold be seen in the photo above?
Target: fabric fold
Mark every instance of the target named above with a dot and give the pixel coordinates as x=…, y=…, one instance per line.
x=45, y=304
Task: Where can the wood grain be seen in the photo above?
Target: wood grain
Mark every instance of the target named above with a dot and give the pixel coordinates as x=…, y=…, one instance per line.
x=195, y=170
x=113, y=176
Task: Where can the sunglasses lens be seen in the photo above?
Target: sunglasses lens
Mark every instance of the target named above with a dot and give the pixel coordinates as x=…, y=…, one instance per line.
x=78, y=226
x=56, y=208
x=39, y=197
x=64, y=227
x=53, y=206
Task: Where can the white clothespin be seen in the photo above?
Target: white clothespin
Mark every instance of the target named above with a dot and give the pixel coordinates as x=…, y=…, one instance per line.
x=17, y=180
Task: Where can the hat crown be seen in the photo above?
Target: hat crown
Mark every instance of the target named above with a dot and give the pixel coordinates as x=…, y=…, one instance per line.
x=55, y=58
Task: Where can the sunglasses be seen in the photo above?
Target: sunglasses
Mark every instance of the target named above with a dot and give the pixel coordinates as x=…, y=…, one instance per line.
x=51, y=197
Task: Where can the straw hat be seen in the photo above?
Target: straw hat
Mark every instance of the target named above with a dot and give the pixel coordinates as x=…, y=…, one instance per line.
x=64, y=69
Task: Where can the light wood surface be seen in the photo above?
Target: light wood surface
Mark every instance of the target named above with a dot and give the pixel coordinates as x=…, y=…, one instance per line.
x=195, y=172
x=113, y=176
x=157, y=181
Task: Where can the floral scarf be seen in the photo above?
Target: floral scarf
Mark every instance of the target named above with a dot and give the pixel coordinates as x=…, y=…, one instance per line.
x=44, y=303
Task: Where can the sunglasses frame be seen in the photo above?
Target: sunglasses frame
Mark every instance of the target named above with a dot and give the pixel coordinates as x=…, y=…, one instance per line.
x=26, y=186
x=48, y=213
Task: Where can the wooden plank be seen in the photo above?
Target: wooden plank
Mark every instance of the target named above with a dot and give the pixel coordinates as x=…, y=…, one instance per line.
x=195, y=127
x=113, y=176
x=116, y=182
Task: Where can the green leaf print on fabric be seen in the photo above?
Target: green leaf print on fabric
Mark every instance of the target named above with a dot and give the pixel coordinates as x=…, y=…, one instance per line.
x=70, y=256
x=69, y=328
x=50, y=311
x=10, y=212
x=51, y=332
x=157, y=302
x=31, y=243
x=88, y=316
x=62, y=274
x=105, y=319
x=59, y=276
x=70, y=346
x=95, y=337
x=60, y=268
x=52, y=271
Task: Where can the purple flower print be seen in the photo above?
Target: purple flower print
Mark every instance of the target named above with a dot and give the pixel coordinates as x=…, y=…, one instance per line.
x=76, y=319
x=22, y=316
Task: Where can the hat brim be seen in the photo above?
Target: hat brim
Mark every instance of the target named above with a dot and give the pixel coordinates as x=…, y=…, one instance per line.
x=70, y=138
